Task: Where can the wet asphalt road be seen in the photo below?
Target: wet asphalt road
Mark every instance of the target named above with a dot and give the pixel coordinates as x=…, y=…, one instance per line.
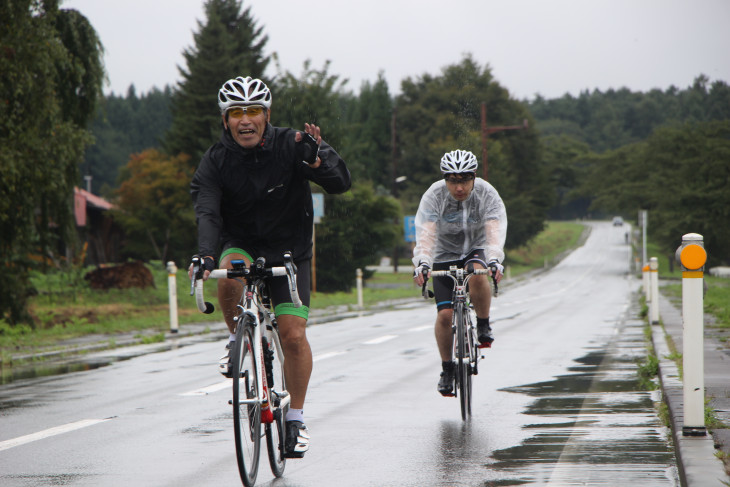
x=555, y=403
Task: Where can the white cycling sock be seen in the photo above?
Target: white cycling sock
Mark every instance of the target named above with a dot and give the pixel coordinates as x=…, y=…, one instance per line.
x=295, y=415
x=232, y=337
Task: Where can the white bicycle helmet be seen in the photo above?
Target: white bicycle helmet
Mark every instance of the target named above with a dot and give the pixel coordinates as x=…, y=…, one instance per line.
x=243, y=91
x=458, y=161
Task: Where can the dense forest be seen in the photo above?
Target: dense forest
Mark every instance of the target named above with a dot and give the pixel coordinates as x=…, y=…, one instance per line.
x=621, y=117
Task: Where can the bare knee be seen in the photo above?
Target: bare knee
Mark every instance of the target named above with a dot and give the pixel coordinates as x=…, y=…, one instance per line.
x=443, y=318
x=292, y=331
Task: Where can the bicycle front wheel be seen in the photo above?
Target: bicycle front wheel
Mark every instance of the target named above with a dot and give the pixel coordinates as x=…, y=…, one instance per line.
x=463, y=371
x=275, y=432
x=246, y=409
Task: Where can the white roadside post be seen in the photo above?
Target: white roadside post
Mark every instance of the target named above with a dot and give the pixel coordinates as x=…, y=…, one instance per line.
x=654, y=290
x=172, y=294
x=358, y=273
x=692, y=256
x=646, y=283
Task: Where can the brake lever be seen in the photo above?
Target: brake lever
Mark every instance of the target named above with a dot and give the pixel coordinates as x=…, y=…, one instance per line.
x=494, y=279
x=426, y=293
x=196, y=270
x=291, y=273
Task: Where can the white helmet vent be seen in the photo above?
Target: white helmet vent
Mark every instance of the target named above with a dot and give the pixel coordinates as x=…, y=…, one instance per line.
x=243, y=91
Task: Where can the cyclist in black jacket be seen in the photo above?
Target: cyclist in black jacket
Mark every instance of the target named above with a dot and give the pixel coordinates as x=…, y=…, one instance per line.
x=252, y=199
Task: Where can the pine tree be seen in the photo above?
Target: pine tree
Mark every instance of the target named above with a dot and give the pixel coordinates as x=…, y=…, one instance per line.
x=367, y=142
x=229, y=44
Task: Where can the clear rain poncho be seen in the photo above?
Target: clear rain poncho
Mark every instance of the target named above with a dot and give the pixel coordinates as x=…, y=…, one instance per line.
x=446, y=229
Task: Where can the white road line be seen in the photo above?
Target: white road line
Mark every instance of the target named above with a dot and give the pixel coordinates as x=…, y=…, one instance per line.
x=207, y=390
x=327, y=355
x=421, y=328
x=21, y=440
x=376, y=341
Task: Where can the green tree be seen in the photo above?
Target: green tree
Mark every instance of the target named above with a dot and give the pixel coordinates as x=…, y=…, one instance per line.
x=227, y=45
x=367, y=145
x=356, y=228
x=681, y=175
x=314, y=96
x=48, y=91
x=609, y=120
x=154, y=207
x=565, y=160
x=125, y=125
x=439, y=114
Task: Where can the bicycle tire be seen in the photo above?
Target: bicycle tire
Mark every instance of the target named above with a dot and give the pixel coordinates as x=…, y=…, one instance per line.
x=463, y=375
x=275, y=432
x=246, y=417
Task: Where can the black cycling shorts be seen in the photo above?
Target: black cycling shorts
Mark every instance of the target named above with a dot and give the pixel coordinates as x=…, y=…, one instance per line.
x=443, y=287
x=279, y=285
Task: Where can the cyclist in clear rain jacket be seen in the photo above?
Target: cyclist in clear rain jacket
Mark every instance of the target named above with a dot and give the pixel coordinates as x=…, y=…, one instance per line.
x=252, y=199
x=462, y=221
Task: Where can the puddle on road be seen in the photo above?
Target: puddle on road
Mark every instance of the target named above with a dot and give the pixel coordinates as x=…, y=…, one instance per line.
x=594, y=426
x=51, y=367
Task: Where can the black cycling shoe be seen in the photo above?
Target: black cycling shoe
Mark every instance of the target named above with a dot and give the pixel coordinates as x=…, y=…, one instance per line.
x=297, y=439
x=484, y=335
x=224, y=364
x=446, y=382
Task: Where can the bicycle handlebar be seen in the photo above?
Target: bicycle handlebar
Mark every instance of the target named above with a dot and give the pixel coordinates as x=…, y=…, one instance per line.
x=454, y=272
x=256, y=270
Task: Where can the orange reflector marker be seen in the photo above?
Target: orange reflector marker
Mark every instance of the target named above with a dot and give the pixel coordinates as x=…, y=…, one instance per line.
x=692, y=274
x=693, y=257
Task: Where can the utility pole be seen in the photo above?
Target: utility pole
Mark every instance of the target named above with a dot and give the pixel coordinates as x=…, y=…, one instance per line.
x=394, y=182
x=490, y=130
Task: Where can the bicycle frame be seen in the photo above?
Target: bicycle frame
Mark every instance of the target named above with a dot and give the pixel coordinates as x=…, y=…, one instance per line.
x=459, y=299
x=254, y=308
x=258, y=344
x=465, y=350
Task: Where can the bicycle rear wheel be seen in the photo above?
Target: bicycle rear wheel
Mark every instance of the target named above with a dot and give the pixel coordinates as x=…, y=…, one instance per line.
x=246, y=416
x=463, y=373
x=275, y=432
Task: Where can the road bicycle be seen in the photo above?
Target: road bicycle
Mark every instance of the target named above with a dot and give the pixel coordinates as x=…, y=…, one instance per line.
x=259, y=388
x=466, y=346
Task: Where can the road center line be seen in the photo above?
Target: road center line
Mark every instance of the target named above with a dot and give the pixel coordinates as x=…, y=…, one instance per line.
x=376, y=341
x=21, y=440
x=325, y=356
x=421, y=328
x=207, y=390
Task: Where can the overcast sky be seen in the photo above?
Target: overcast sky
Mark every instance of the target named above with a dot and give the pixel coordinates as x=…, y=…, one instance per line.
x=550, y=47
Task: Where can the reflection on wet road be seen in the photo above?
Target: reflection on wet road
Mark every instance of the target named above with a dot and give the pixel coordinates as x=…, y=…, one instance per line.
x=594, y=426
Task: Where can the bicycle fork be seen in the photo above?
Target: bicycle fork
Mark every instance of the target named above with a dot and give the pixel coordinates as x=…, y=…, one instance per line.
x=267, y=415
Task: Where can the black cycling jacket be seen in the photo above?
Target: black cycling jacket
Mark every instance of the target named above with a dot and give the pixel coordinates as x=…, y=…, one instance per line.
x=261, y=197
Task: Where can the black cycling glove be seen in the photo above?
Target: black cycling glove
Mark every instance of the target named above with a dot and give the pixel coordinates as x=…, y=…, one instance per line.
x=307, y=149
x=208, y=263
